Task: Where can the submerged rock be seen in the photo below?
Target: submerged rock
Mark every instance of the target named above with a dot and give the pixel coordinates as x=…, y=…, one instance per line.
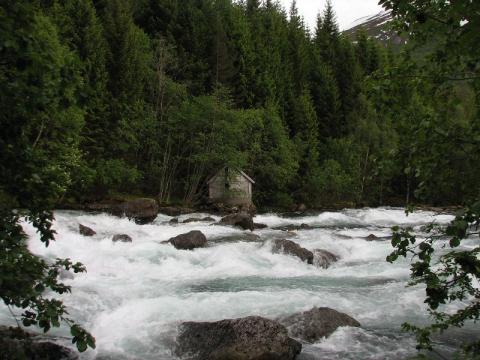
x=189, y=241
x=85, y=230
x=314, y=324
x=18, y=344
x=294, y=227
x=371, y=237
x=289, y=247
x=258, y=226
x=250, y=338
x=205, y=219
x=121, y=238
x=245, y=237
x=173, y=221
x=143, y=210
x=323, y=258
x=243, y=221
x=175, y=210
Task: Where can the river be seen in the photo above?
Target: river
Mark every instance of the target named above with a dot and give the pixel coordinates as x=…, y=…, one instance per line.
x=135, y=294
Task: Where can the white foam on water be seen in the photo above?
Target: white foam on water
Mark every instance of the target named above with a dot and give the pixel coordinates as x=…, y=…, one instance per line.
x=356, y=343
x=382, y=217
x=135, y=294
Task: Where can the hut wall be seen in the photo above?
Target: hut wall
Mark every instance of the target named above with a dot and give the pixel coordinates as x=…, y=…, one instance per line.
x=217, y=187
x=238, y=193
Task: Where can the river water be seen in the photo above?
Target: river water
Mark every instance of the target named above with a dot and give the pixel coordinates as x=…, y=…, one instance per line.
x=135, y=294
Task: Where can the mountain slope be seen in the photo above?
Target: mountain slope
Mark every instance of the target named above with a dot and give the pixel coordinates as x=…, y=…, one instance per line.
x=376, y=26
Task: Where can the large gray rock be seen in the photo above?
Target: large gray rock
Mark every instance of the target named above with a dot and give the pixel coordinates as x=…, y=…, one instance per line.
x=244, y=221
x=85, y=230
x=288, y=247
x=142, y=210
x=317, y=323
x=18, y=344
x=121, y=238
x=323, y=258
x=189, y=241
x=250, y=338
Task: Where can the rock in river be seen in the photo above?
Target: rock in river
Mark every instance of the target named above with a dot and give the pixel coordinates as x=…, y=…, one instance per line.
x=323, y=258
x=245, y=221
x=292, y=248
x=175, y=210
x=121, y=238
x=85, y=230
x=314, y=324
x=258, y=226
x=189, y=241
x=205, y=219
x=294, y=227
x=250, y=338
x=143, y=211
x=371, y=237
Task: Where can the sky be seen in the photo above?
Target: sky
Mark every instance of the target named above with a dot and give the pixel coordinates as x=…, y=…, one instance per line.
x=347, y=10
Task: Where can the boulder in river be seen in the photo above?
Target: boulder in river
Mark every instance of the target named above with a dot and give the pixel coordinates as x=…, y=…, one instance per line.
x=85, y=230
x=173, y=221
x=258, y=226
x=244, y=237
x=142, y=210
x=175, y=210
x=323, y=258
x=314, y=324
x=293, y=227
x=289, y=247
x=250, y=338
x=245, y=221
x=189, y=241
x=204, y=219
x=121, y=238
x=18, y=344
x=371, y=237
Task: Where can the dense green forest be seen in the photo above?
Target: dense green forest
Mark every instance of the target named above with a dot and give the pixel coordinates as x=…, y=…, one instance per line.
x=151, y=97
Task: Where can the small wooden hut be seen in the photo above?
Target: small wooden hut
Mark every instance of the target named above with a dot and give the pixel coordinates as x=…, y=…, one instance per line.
x=231, y=186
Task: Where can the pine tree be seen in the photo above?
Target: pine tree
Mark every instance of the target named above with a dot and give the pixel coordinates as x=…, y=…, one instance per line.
x=83, y=32
x=329, y=24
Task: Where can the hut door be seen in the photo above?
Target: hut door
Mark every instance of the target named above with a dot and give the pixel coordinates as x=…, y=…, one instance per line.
x=227, y=180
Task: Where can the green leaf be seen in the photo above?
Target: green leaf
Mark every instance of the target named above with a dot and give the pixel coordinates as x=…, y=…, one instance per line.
x=81, y=345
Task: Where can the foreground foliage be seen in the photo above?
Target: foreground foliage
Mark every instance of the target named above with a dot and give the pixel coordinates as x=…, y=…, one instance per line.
x=451, y=277
x=445, y=33
x=40, y=123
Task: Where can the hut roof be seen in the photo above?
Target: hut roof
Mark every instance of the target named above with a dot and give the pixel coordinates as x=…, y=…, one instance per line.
x=236, y=169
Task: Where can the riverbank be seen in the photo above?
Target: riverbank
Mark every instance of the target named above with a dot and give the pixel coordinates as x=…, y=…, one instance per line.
x=179, y=208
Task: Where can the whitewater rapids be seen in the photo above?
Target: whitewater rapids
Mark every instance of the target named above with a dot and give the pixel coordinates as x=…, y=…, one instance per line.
x=135, y=294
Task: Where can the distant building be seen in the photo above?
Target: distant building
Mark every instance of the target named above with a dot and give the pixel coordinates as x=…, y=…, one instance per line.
x=231, y=186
